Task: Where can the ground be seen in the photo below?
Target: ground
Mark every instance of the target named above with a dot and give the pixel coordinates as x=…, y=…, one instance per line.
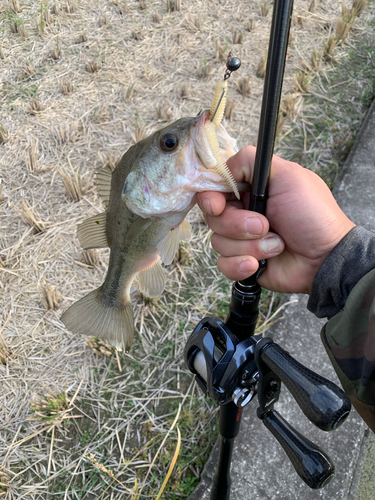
x=80, y=81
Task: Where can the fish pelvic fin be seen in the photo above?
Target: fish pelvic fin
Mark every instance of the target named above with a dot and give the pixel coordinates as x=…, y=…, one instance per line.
x=103, y=179
x=169, y=245
x=92, y=232
x=95, y=316
x=152, y=280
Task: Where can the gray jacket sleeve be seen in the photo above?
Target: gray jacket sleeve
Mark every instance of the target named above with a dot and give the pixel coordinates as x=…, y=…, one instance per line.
x=347, y=263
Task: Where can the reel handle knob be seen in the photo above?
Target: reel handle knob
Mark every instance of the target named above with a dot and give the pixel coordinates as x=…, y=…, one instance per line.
x=322, y=402
x=313, y=466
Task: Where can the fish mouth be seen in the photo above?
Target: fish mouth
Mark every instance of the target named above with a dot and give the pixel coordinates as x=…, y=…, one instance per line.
x=210, y=133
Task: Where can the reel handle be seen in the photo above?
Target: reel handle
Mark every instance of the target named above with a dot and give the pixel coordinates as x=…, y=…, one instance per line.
x=322, y=402
x=313, y=466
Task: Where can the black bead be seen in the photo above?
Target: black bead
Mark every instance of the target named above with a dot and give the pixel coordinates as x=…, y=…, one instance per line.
x=233, y=64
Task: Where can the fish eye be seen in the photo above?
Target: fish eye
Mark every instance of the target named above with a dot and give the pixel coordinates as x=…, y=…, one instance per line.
x=169, y=142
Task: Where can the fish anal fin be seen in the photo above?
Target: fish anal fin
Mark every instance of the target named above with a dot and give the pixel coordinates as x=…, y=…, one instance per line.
x=152, y=280
x=94, y=316
x=169, y=245
x=92, y=232
x=103, y=179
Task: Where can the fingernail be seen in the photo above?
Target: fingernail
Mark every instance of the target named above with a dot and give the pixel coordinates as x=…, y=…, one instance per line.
x=246, y=266
x=253, y=226
x=271, y=245
x=206, y=206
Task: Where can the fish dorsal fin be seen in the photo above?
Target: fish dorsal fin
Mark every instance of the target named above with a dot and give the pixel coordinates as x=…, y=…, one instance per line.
x=103, y=178
x=91, y=233
x=168, y=246
x=152, y=280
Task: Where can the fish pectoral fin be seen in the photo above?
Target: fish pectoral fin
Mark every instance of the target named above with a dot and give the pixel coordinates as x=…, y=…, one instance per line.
x=184, y=230
x=137, y=228
x=169, y=245
x=95, y=317
x=103, y=179
x=152, y=280
x=228, y=144
x=92, y=232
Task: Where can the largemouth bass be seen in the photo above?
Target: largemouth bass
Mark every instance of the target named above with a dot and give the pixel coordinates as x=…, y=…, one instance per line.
x=147, y=196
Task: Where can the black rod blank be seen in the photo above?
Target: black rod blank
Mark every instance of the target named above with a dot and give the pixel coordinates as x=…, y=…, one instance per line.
x=271, y=103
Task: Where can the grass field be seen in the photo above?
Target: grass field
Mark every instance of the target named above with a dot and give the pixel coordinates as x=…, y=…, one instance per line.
x=81, y=81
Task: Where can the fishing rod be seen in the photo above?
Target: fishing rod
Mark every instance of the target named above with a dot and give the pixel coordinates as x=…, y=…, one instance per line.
x=230, y=363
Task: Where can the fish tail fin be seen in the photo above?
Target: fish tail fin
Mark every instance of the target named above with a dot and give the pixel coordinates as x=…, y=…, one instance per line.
x=93, y=315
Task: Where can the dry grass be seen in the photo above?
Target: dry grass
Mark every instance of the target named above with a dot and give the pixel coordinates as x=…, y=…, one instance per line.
x=31, y=159
x=342, y=30
x=55, y=9
x=75, y=185
x=204, y=70
x=220, y=51
x=313, y=6
x=237, y=37
x=103, y=20
x=262, y=66
x=50, y=406
x=70, y=6
x=51, y=297
x=164, y=112
x=4, y=352
x=301, y=81
x=185, y=90
x=250, y=25
x=139, y=132
x=229, y=108
x=244, y=86
x=100, y=347
x=264, y=8
x=31, y=218
x=120, y=410
x=359, y=6
x=328, y=47
x=92, y=66
x=35, y=106
x=173, y=5
x=316, y=59
x=3, y=134
x=15, y=5
x=90, y=257
x=66, y=86
x=82, y=38
x=291, y=106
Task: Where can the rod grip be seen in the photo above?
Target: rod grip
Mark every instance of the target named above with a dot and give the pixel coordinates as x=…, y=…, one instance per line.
x=322, y=402
x=313, y=466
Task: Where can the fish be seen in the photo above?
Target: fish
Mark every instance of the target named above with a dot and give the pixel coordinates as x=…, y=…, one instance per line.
x=147, y=198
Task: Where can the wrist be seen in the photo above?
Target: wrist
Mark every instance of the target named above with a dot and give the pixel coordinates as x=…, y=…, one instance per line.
x=346, y=264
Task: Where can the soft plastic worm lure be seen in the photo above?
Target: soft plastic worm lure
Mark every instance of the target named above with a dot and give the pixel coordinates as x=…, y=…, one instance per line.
x=216, y=115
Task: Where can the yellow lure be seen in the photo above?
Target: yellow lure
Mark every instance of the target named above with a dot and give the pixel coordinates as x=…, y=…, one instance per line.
x=211, y=133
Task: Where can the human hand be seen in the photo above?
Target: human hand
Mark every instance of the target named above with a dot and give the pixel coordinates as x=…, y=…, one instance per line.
x=305, y=219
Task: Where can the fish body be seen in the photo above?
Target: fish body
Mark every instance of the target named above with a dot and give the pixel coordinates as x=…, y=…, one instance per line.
x=148, y=196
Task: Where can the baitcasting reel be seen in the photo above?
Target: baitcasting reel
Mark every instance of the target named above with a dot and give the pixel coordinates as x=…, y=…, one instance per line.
x=229, y=370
